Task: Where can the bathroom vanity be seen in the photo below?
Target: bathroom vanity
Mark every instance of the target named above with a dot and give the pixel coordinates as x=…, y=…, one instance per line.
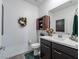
x=53, y=49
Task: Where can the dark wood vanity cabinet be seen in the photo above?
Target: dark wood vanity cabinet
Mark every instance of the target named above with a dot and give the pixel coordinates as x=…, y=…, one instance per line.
x=51, y=50
x=45, y=49
x=63, y=52
x=45, y=52
x=60, y=55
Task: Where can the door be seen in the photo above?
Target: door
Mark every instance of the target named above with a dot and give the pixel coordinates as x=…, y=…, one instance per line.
x=60, y=55
x=45, y=52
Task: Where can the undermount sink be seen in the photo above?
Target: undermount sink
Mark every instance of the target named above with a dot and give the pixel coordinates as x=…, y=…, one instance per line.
x=57, y=38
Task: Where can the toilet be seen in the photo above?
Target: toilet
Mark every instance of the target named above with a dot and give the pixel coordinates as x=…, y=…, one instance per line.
x=35, y=47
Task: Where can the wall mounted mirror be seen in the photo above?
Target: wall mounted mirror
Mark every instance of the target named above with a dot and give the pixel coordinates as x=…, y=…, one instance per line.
x=62, y=17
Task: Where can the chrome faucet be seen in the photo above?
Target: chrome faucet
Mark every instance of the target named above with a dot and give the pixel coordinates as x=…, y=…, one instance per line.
x=60, y=35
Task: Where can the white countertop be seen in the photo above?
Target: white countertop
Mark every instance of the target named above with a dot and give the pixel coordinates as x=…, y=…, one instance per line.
x=63, y=41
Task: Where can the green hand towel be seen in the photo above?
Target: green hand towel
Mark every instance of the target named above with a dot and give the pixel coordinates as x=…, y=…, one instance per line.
x=75, y=25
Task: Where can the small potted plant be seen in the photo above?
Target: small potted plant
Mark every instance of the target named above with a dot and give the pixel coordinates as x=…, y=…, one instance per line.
x=49, y=31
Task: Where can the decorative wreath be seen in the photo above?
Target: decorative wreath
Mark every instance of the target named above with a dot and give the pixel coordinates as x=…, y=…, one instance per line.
x=22, y=21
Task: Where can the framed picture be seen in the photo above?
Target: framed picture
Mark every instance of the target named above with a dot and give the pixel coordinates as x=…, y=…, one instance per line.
x=60, y=25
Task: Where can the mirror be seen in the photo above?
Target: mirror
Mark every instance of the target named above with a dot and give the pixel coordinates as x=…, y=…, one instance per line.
x=66, y=12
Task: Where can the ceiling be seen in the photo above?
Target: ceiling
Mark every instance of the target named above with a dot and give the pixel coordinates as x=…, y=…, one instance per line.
x=40, y=2
x=65, y=5
x=36, y=2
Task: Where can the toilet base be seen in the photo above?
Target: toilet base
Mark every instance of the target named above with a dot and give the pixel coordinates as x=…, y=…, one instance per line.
x=36, y=52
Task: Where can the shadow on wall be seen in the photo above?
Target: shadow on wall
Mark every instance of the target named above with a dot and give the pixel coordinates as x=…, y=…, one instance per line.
x=21, y=56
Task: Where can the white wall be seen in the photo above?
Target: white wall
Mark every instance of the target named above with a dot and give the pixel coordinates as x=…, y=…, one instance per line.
x=50, y=4
x=67, y=14
x=0, y=19
x=16, y=38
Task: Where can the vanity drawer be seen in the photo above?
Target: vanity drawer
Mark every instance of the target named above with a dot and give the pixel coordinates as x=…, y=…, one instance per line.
x=46, y=42
x=67, y=50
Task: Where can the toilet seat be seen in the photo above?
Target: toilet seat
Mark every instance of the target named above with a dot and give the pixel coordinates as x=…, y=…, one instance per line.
x=35, y=45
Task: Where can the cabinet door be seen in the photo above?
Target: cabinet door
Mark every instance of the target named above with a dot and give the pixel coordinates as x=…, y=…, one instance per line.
x=46, y=22
x=45, y=52
x=60, y=55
